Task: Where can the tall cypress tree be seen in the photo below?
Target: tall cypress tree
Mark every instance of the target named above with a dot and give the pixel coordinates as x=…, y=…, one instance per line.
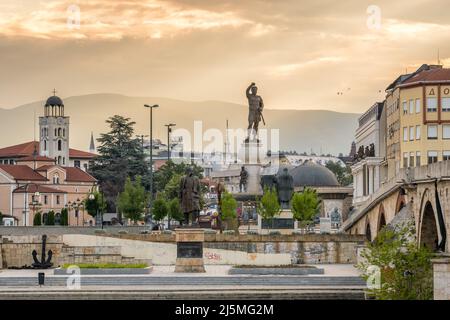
x=120, y=156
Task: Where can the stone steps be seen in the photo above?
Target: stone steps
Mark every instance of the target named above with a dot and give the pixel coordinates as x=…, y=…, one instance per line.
x=308, y=281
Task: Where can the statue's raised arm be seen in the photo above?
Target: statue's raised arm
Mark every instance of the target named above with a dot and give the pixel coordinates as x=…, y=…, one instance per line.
x=248, y=91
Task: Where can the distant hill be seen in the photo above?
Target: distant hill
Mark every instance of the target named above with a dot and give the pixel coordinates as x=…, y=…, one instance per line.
x=301, y=130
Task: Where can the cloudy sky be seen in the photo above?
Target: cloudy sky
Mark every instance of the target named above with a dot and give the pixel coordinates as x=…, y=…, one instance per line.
x=300, y=53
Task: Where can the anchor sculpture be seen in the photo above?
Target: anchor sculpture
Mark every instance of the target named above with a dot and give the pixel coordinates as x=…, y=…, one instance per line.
x=44, y=263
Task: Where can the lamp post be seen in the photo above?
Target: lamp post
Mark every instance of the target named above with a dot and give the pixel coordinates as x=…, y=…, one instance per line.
x=76, y=206
x=151, y=152
x=35, y=202
x=169, y=130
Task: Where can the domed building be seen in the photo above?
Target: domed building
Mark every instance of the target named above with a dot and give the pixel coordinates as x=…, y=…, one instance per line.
x=311, y=174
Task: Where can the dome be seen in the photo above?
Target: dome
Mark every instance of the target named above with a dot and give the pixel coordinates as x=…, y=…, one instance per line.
x=310, y=174
x=54, y=101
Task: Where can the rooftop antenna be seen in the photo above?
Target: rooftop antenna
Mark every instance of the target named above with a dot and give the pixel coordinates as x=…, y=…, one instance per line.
x=438, y=58
x=34, y=124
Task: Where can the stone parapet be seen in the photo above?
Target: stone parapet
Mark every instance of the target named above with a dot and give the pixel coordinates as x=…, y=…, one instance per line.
x=441, y=277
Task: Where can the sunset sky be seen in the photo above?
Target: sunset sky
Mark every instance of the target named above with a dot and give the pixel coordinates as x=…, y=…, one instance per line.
x=300, y=53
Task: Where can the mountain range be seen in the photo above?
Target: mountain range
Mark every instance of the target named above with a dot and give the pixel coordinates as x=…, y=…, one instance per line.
x=319, y=131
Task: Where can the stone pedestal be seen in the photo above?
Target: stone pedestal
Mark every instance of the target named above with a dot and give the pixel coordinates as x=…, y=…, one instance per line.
x=252, y=155
x=189, y=250
x=441, y=277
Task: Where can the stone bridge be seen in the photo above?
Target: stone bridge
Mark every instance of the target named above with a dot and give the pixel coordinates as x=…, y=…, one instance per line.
x=419, y=194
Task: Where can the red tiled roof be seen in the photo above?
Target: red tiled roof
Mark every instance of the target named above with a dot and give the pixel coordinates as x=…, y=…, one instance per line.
x=77, y=175
x=433, y=75
x=27, y=149
x=19, y=150
x=32, y=188
x=22, y=172
x=37, y=158
x=78, y=154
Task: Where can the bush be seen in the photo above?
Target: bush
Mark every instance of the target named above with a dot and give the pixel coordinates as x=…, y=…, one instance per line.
x=229, y=232
x=106, y=265
x=1, y=219
x=64, y=217
x=100, y=231
x=405, y=270
x=50, y=219
x=37, y=220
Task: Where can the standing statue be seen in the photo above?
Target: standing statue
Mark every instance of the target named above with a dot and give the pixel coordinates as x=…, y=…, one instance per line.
x=243, y=180
x=285, y=188
x=189, y=195
x=256, y=107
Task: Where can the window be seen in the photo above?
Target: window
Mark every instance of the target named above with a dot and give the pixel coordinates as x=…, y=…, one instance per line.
x=56, y=132
x=432, y=132
x=445, y=131
x=446, y=104
x=431, y=104
x=411, y=159
x=418, y=106
x=411, y=106
x=45, y=199
x=417, y=132
x=445, y=155
x=418, y=159
x=432, y=157
x=405, y=134
x=77, y=163
x=57, y=200
x=59, y=145
x=45, y=145
x=411, y=133
x=56, y=179
x=405, y=159
x=405, y=107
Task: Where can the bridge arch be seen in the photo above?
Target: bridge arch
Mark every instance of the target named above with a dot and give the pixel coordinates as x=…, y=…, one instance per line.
x=428, y=228
x=368, y=231
x=401, y=201
x=381, y=219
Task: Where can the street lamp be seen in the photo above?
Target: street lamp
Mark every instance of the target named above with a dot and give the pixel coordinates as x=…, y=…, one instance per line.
x=151, y=152
x=169, y=130
x=92, y=198
x=76, y=206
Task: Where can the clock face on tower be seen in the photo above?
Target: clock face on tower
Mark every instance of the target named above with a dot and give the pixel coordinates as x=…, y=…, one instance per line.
x=60, y=121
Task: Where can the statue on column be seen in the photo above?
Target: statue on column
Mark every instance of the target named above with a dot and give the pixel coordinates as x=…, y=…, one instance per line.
x=285, y=188
x=189, y=194
x=243, y=180
x=256, y=106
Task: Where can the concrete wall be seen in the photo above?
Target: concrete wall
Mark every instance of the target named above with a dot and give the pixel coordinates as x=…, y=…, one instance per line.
x=162, y=249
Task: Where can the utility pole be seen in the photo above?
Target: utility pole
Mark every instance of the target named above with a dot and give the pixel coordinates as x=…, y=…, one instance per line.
x=151, y=153
x=169, y=130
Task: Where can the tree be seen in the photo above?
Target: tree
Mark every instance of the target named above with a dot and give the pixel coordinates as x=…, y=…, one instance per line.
x=64, y=217
x=305, y=206
x=132, y=201
x=96, y=205
x=405, y=269
x=343, y=174
x=172, y=187
x=164, y=174
x=120, y=156
x=37, y=220
x=174, y=211
x=50, y=219
x=159, y=209
x=1, y=218
x=228, y=206
x=269, y=206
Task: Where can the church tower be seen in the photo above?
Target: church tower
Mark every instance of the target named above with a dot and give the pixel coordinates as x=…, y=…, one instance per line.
x=54, y=131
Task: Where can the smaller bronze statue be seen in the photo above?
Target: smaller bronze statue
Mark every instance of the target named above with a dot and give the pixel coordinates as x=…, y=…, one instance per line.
x=285, y=188
x=268, y=181
x=44, y=263
x=189, y=194
x=372, y=150
x=243, y=180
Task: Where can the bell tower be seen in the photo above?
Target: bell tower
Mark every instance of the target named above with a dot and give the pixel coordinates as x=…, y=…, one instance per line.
x=54, y=131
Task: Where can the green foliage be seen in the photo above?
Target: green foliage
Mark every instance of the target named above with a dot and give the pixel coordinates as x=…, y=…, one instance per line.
x=268, y=206
x=50, y=218
x=132, y=201
x=305, y=206
x=107, y=265
x=172, y=187
x=96, y=205
x=159, y=209
x=343, y=174
x=228, y=206
x=120, y=157
x=406, y=269
x=37, y=220
x=170, y=169
x=1, y=218
x=64, y=217
x=174, y=210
